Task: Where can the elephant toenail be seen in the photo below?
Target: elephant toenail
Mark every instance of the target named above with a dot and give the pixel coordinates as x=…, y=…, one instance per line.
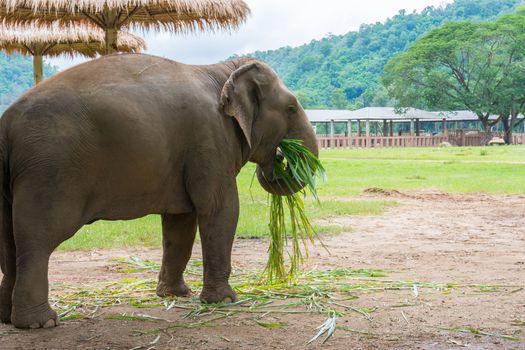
x=227, y=300
x=35, y=326
x=49, y=324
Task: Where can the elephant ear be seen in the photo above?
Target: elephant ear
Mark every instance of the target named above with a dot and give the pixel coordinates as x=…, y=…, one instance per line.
x=239, y=98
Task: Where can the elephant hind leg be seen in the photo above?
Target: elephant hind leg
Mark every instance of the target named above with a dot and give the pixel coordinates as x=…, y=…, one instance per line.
x=7, y=260
x=38, y=230
x=178, y=235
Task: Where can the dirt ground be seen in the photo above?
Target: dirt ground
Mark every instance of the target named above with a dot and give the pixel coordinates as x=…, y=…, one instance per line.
x=473, y=242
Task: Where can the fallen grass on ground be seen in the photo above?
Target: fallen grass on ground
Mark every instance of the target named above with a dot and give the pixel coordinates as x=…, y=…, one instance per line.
x=329, y=293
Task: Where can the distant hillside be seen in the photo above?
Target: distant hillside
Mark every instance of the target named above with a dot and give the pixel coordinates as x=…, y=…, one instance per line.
x=343, y=71
x=16, y=76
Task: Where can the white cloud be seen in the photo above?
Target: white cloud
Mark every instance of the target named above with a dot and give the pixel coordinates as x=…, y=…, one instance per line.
x=273, y=24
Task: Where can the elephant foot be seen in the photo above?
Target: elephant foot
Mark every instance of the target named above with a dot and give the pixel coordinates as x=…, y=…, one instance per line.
x=218, y=294
x=6, y=290
x=170, y=290
x=5, y=313
x=38, y=317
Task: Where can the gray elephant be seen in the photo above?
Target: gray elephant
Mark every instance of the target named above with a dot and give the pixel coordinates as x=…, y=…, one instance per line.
x=129, y=135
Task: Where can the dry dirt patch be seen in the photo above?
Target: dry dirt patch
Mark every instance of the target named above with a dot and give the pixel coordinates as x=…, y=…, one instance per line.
x=470, y=246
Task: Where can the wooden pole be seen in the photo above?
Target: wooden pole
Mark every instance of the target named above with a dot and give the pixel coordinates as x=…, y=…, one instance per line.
x=391, y=128
x=445, y=129
x=411, y=127
x=418, y=126
x=111, y=40
x=349, y=126
x=111, y=30
x=332, y=134
x=385, y=128
x=359, y=132
x=38, y=68
x=367, y=133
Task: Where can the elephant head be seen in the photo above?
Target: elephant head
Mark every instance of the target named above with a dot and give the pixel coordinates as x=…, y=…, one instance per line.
x=266, y=112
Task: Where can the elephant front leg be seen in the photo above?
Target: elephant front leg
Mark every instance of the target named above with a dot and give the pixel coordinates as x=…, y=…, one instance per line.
x=178, y=235
x=217, y=231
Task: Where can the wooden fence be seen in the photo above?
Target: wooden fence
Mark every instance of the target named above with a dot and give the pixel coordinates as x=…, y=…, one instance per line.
x=459, y=139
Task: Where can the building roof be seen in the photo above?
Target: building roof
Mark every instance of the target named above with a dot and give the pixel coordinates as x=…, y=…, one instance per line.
x=461, y=116
x=389, y=113
x=368, y=113
x=325, y=115
x=184, y=16
x=53, y=39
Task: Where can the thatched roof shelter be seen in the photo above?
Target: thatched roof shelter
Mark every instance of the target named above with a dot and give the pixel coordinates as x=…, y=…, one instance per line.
x=54, y=39
x=111, y=15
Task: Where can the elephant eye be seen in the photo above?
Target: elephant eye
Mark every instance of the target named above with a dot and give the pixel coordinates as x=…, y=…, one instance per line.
x=292, y=109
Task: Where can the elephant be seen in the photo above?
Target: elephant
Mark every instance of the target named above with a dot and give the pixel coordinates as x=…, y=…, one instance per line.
x=129, y=135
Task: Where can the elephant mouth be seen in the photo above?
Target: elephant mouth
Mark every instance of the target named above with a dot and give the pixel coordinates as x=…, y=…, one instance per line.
x=268, y=165
x=276, y=184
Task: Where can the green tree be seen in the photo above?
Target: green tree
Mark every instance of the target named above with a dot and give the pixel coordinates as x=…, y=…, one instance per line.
x=511, y=93
x=339, y=99
x=304, y=99
x=16, y=77
x=463, y=65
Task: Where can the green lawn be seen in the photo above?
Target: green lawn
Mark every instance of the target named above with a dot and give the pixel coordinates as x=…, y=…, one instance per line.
x=497, y=170
x=473, y=154
x=481, y=169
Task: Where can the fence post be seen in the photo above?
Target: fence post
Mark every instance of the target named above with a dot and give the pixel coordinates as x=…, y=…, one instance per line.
x=332, y=133
x=349, y=126
x=367, y=133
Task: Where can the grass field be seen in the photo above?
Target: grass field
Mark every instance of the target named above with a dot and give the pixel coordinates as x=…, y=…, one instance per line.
x=496, y=170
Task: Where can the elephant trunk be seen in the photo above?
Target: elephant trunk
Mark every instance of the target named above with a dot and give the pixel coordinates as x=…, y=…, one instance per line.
x=275, y=185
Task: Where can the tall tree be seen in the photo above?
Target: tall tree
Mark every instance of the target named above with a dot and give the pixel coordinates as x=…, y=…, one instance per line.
x=511, y=30
x=464, y=65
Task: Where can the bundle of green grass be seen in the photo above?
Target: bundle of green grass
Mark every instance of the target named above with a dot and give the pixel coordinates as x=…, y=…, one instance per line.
x=301, y=166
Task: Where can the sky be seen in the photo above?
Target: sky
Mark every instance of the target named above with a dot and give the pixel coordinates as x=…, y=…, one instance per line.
x=271, y=25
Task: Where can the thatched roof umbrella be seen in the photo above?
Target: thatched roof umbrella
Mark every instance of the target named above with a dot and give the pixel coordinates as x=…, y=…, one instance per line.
x=54, y=39
x=111, y=15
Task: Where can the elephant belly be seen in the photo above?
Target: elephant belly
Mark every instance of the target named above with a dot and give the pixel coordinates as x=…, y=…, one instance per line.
x=134, y=207
x=127, y=195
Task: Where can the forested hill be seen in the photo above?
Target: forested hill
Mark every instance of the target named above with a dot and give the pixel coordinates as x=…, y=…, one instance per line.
x=343, y=71
x=16, y=76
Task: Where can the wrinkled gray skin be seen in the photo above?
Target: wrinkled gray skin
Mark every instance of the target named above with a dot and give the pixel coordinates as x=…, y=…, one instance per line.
x=129, y=135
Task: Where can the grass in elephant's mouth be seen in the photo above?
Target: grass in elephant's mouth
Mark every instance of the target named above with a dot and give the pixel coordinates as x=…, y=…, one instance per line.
x=301, y=166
